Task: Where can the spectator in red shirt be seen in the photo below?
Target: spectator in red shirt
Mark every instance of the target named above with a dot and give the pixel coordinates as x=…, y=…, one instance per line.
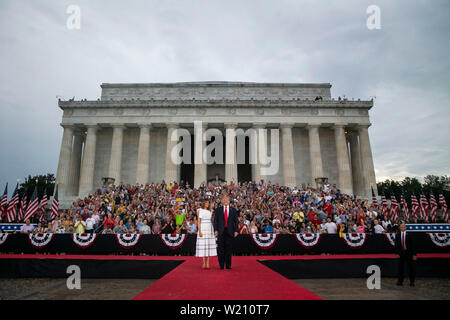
x=109, y=222
x=311, y=214
x=328, y=208
x=315, y=220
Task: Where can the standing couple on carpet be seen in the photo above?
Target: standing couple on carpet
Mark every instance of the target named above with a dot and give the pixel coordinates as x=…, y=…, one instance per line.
x=224, y=227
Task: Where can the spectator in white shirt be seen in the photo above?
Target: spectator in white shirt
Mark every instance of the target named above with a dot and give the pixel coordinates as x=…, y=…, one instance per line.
x=377, y=227
x=386, y=223
x=330, y=226
x=90, y=222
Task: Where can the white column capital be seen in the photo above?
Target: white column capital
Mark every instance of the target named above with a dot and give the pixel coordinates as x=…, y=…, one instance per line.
x=91, y=127
x=172, y=125
x=67, y=126
x=230, y=125
x=287, y=125
x=145, y=125
x=200, y=124
x=260, y=125
x=118, y=126
x=363, y=126
x=311, y=126
x=340, y=125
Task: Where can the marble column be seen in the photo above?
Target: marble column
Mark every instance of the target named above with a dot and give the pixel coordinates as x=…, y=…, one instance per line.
x=315, y=153
x=259, y=146
x=75, y=162
x=115, y=162
x=143, y=161
x=289, y=176
x=88, y=163
x=171, y=166
x=63, y=173
x=230, y=153
x=200, y=166
x=355, y=159
x=344, y=175
x=367, y=161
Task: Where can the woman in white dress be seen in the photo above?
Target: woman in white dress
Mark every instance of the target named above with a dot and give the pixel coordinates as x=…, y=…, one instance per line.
x=206, y=241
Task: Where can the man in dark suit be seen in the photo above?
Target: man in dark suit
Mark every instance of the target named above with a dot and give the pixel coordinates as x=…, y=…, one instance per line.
x=226, y=226
x=404, y=247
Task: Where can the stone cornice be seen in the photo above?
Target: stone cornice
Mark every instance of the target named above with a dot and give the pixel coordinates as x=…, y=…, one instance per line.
x=220, y=103
x=215, y=84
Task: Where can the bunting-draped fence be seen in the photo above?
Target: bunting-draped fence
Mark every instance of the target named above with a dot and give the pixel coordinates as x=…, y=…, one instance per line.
x=260, y=244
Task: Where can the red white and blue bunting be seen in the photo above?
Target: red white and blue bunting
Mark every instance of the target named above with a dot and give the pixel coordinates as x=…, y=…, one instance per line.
x=390, y=237
x=128, y=240
x=173, y=241
x=40, y=240
x=3, y=237
x=355, y=240
x=308, y=240
x=440, y=239
x=264, y=240
x=84, y=240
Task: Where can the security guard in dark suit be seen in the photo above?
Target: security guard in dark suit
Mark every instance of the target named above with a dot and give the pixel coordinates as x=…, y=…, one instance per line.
x=405, y=249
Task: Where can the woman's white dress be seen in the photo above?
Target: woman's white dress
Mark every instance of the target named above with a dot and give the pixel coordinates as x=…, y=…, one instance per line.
x=206, y=245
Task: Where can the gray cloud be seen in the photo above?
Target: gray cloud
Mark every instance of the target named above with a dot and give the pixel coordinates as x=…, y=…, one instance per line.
x=405, y=65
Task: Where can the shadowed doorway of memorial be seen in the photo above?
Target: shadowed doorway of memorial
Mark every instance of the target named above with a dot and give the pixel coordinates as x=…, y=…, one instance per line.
x=244, y=170
x=216, y=171
x=187, y=169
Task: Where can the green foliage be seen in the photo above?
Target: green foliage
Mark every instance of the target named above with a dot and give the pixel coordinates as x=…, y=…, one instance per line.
x=412, y=186
x=45, y=183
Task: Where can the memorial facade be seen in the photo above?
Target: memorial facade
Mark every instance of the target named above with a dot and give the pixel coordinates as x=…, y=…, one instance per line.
x=128, y=135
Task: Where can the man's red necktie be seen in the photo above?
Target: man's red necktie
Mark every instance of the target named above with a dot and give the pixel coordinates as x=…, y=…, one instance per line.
x=403, y=241
x=226, y=217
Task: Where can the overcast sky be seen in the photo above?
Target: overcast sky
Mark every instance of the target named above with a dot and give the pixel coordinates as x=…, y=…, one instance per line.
x=405, y=65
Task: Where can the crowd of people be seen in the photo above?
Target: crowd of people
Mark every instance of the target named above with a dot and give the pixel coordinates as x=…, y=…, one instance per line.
x=263, y=208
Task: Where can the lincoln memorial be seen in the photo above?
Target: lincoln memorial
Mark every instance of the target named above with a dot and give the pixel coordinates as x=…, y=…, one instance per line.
x=129, y=136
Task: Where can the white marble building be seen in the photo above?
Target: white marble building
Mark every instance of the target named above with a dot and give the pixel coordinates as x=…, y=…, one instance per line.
x=124, y=135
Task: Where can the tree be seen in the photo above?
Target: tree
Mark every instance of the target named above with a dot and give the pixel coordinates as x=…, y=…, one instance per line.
x=412, y=186
x=45, y=183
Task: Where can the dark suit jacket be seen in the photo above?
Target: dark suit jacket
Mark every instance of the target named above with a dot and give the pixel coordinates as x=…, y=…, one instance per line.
x=232, y=223
x=409, y=242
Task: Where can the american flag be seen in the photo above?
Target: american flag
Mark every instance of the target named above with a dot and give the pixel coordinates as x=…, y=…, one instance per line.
x=405, y=208
x=32, y=206
x=424, y=207
x=384, y=205
x=444, y=207
x=55, y=205
x=415, y=207
x=4, y=200
x=394, y=208
x=12, y=206
x=23, y=207
x=374, y=200
x=434, y=207
x=43, y=204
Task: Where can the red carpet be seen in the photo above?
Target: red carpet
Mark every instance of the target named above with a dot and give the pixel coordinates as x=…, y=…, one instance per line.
x=127, y=257
x=248, y=280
